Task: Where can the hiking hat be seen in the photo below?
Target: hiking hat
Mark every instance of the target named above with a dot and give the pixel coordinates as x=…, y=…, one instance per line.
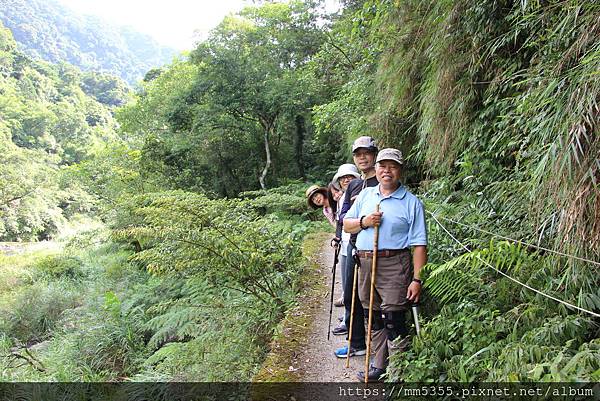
x=390, y=154
x=345, y=169
x=313, y=189
x=366, y=142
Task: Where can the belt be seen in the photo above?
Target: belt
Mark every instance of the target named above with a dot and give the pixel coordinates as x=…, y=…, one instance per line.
x=386, y=253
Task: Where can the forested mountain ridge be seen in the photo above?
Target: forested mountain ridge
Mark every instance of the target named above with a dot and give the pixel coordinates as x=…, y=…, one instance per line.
x=48, y=30
x=51, y=117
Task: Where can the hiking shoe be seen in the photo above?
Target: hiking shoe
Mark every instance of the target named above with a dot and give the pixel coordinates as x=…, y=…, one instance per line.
x=374, y=375
x=343, y=352
x=340, y=330
x=339, y=302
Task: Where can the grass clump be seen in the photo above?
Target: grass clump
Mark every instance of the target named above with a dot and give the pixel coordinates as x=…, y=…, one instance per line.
x=58, y=266
x=32, y=313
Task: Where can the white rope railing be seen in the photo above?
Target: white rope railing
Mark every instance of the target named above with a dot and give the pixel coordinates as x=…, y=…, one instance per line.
x=521, y=242
x=567, y=304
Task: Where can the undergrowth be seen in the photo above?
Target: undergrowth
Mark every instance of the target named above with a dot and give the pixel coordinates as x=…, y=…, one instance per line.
x=172, y=311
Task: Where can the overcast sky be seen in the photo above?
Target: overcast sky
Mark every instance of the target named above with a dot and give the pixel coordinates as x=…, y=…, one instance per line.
x=171, y=22
x=175, y=23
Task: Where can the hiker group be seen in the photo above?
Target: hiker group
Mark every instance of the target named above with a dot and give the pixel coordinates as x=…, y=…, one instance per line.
x=380, y=228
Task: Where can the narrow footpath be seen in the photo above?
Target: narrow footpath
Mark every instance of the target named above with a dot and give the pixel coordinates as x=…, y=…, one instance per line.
x=316, y=362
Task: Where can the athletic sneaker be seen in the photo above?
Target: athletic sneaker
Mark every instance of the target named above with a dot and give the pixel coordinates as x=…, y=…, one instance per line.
x=340, y=330
x=374, y=374
x=343, y=352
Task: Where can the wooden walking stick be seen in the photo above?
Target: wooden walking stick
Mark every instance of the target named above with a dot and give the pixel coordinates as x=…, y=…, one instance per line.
x=373, y=272
x=354, y=281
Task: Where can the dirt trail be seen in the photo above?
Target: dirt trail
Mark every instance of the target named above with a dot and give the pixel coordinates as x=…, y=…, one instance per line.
x=317, y=363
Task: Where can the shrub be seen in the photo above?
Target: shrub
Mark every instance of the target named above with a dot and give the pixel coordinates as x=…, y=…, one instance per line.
x=224, y=241
x=58, y=266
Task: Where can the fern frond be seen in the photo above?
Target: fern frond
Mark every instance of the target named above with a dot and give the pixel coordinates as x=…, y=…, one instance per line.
x=178, y=323
x=453, y=280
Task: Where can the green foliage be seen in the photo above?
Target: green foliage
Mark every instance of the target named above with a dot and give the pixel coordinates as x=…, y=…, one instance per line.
x=54, y=267
x=46, y=122
x=510, y=91
x=15, y=268
x=31, y=314
x=467, y=343
x=464, y=276
x=105, y=88
x=286, y=200
x=98, y=345
x=111, y=172
x=28, y=193
x=233, y=116
x=224, y=241
x=145, y=123
x=76, y=329
x=447, y=349
x=189, y=328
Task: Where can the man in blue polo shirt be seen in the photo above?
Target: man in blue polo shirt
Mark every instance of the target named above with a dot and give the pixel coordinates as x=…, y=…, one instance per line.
x=401, y=222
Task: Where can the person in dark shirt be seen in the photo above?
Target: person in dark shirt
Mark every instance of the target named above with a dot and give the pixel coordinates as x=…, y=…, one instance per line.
x=364, y=151
x=344, y=175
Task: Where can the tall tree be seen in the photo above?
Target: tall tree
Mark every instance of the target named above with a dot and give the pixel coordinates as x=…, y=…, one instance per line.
x=251, y=73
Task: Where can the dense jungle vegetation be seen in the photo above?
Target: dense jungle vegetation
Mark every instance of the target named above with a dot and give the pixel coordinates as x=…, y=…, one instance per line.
x=180, y=213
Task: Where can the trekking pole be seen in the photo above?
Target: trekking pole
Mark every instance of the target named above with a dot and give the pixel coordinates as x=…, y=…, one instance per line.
x=373, y=272
x=354, y=283
x=333, y=269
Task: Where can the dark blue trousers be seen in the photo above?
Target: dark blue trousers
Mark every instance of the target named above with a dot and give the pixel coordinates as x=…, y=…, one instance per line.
x=358, y=321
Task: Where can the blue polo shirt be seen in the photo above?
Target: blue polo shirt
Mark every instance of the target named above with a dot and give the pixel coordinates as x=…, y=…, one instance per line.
x=402, y=223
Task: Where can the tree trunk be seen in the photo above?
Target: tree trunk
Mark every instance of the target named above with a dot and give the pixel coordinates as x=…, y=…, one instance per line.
x=136, y=245
x=262, y=177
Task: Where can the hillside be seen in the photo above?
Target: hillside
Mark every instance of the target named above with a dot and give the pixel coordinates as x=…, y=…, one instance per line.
x=51, y=117
x=47, y=30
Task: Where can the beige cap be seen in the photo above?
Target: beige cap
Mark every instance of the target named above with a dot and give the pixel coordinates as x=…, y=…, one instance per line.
x=390, y=154
x=366, y=142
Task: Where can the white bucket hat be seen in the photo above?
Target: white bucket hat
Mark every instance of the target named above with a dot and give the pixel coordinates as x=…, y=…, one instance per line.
x=346, y=169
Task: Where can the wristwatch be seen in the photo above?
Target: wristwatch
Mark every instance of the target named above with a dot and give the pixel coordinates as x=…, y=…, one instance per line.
x=418, y=280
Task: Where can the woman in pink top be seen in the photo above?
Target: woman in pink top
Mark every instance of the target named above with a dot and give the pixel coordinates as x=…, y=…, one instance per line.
x=317, y=197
